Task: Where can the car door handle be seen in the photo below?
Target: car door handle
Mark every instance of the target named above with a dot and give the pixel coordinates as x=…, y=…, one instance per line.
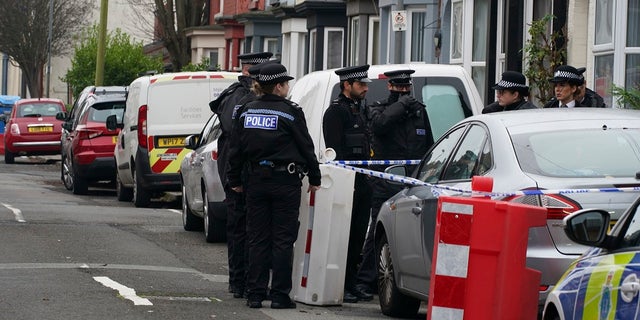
x=416, y=210
x=629, y=290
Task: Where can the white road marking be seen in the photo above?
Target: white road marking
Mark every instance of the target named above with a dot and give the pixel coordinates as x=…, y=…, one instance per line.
x=176, y=211
x=125, y=292
x=16, y=212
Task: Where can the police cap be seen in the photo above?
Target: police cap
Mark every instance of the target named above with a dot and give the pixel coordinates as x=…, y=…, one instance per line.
x=567, y=74
x=356, y=73
x=254, y=58
x=254, y=70
x=400, y=77
x=512, y=80
x=272, y=73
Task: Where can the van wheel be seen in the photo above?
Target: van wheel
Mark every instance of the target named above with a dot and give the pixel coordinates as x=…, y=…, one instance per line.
x=141, y=196
x=65, y=173
x=215, y=230
x=393, y=303
x=190, y=221
x=123, y=193
x=9, y=157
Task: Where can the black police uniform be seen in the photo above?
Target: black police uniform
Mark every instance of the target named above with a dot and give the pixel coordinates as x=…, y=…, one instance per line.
x=224, y=106
x=345, y=129
x=566, y=74
x=271, y=135
x=401, y=131
x=591, y=100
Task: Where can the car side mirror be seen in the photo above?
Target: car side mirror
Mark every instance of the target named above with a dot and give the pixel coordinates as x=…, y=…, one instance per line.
x=588, y=226
x=191, y=142
x=3, y=118
x=398, y=170
x=66, y=126
x=112, y=123
x=61, y=116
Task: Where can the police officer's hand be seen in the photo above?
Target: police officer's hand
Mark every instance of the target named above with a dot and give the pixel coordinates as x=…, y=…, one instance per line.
x=407, y=101
x=313, y=188
x=237, y=189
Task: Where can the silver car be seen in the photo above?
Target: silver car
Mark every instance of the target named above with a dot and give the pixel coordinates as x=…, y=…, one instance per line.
x=551, y=149
x=202, y=193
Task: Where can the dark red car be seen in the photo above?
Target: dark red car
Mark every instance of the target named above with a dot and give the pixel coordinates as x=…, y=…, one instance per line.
x=32, y=128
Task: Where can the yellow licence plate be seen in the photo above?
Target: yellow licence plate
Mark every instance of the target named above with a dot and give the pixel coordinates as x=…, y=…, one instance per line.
x=171, y=142
x=40, y=129
x=114, y=139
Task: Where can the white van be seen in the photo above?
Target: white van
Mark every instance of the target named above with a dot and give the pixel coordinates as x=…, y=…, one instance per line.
x=447, y=90
x=161, y=111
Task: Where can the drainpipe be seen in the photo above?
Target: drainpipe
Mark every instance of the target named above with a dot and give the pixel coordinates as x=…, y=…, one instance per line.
x=5, y=73
x=399, y=36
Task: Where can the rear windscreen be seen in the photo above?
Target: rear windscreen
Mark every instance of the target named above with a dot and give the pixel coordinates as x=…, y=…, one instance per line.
x=39, y=110
x=100, y=111
x=579, y=153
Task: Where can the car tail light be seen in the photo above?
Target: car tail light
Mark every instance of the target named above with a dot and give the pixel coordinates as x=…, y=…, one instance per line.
x=214, y=155
x=85, y=134
x=558, y=206
x=142, y=126
x=15, y=129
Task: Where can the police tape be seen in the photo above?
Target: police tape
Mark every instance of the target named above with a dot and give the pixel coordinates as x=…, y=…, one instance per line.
x=375, y=162
x=437, y=189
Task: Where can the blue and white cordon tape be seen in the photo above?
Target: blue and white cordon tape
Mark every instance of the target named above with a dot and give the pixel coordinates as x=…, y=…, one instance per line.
x=436, y=188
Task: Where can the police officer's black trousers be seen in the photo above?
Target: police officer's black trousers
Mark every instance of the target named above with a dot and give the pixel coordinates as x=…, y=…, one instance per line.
x=367, y=275
x=358, y=229
x=272, y=228
x=236, y=239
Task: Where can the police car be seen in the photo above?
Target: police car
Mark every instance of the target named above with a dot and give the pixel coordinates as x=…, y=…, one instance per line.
x=605, y=281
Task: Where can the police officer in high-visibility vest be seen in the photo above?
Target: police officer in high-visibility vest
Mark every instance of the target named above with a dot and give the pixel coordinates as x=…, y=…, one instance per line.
x=345, y=129
x=238, y=93
x=401, y=131
x=271, y=135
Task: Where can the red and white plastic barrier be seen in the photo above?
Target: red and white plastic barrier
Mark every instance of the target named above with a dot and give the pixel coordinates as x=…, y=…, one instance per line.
x=479, y=267
x=320, y=254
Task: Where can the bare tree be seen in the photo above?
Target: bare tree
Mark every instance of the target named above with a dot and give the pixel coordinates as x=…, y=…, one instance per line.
x=24, y=32
x=172, y=18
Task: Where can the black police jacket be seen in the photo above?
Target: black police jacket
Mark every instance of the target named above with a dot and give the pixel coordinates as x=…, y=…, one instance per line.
x=554, y=103
x=345, y=129
x=518, y=105
x=272, y=129
x=400, y=132
x=228, y=101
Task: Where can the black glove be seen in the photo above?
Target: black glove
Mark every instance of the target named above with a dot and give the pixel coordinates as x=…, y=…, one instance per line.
x=407, y=100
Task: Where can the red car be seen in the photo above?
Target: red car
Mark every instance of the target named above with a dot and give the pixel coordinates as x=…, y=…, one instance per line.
x=32, y=128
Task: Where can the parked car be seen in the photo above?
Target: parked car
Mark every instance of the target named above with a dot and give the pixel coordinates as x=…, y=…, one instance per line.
x=162, y=110
x=32, y=128
x=604, y=282
x=6, y=104
x=527, y=149
x=202, y=192
x=447, y=91
x=87, y=153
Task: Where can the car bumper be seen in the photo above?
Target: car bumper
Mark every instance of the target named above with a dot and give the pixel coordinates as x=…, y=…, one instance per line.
x=101, y=168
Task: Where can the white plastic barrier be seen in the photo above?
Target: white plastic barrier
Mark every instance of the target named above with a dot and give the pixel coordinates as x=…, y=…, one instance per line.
x=320, y=253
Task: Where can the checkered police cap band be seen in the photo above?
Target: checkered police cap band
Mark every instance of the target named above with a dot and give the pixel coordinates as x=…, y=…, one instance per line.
x=354, y=75
x=508, y=84
x=254, y=60
x=566, y=74
x=271, y=77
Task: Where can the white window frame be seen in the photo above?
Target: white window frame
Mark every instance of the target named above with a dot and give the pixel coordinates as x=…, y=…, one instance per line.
x=313, y=40
x=325, y=58
x=409, y=34
x=354, y=36
x=266, y=42
x=373, y=42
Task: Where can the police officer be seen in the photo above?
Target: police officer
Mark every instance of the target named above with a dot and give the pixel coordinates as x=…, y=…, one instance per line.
x=224, y=106
x=270, y=133
x=401, y=131
x=511, y=91
x=345, y=129
x=566, y=80
x=587, y=97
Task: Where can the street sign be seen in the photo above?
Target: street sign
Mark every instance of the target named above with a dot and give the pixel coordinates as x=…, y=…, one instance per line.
x=399, y=20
